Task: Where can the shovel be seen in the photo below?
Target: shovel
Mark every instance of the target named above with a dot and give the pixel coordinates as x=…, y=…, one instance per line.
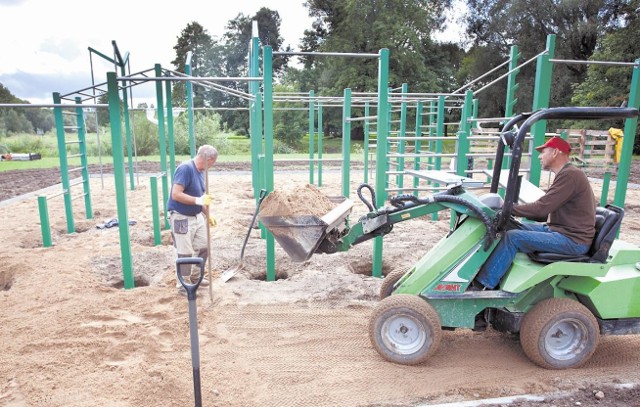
x=227, y=275
x=193, y=321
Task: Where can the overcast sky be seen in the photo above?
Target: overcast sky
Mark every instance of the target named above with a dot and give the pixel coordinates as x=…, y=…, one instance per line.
x=44, y=43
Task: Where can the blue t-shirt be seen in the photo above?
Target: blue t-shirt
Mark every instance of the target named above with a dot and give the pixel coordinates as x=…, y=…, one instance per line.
x=192, y=180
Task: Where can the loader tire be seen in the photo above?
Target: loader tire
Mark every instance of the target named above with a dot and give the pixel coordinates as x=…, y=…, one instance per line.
x=405, y=329
x=389, y=281
x=559, y=333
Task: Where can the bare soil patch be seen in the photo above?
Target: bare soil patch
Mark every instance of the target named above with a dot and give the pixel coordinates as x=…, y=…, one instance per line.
x=71, y=336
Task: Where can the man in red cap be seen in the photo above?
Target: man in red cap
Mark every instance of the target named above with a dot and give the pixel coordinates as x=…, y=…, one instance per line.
x=568, y=208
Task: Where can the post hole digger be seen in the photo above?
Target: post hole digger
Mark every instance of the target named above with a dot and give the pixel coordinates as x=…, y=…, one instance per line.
x=558, y=304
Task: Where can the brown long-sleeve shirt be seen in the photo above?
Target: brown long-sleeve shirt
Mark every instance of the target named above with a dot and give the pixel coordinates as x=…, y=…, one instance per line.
x=568, y=207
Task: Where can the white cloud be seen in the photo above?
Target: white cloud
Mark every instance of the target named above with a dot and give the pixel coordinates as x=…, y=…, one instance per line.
x=45, y=43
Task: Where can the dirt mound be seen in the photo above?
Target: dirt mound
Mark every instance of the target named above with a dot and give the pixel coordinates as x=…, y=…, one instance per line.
x=296, y=201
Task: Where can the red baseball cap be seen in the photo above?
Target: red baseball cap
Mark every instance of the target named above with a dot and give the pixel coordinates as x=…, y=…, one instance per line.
x=556, y=142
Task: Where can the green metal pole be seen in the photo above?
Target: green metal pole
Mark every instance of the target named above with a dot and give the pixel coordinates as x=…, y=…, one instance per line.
x=82, y=139
x=417, y=146
x=155, y=210
x=381, y=152
x=255, y=117
x=541, y=98
x=512, y=85
x=401, y=135
x=367, y=126
x=440, y=132
x=45, y=227
x=189, y=87
x=170, y=133
x=463, y=134
x=630, y=127
x=346, y=142
x=118, y=172
x=320, y=143
x=64, y=166
x=127, y=128
x=162, y=143
x=267, y=70
x=605, y=188
x=312, y=125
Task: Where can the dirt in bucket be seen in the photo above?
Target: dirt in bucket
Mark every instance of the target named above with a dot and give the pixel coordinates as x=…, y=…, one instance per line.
x=296, y=201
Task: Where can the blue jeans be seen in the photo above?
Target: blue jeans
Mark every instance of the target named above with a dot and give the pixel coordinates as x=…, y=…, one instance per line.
x=531, y=237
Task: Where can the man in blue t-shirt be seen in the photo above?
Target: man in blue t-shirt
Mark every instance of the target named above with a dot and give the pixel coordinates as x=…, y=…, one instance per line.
x=187, y=208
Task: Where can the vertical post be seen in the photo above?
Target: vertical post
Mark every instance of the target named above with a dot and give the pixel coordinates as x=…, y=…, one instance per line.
x=381, y=152
x=366, y=142
x=162, y=143
x=512, y=85
x=189, y=88
x=417, y=146
x=82, y=139
x=45, y=227
x=401, y=135
x=64, y=166
x=440, y=132
x=630, y=127
x=155, y=210
x=255, y=109
x=118, y=172
x=267, y=71
x=320, y=143
x=312, y=125
x=462, y=146
x=170, y=134
x=541, y=97
x=127, y=127
x=605, y=188
x=346, y=142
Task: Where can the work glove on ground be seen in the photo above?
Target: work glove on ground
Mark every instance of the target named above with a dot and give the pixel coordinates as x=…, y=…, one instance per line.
x=204, y=199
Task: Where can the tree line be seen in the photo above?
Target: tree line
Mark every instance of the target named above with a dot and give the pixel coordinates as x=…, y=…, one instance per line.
x=603, y=30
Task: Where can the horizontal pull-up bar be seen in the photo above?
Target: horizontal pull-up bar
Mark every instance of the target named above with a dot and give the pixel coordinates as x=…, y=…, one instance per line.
x=189, y=78
x=585, y=62
x=64, y=106
x=328, y=54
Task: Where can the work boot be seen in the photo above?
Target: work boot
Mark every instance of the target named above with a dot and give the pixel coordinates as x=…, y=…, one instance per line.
x=204, y=283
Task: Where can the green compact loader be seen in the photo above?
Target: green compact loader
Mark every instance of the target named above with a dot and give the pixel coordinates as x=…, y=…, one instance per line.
x=558, y=304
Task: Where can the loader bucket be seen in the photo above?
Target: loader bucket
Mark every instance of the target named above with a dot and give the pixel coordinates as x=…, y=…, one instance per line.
x=300, y=236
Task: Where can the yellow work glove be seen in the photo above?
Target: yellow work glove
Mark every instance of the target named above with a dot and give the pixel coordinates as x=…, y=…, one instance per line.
x=212, y=221
x=204, y=199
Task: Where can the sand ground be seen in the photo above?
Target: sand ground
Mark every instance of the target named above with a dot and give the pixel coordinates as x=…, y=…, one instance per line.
x=72, y=336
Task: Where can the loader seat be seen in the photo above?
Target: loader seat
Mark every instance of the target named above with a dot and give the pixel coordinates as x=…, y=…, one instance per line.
x=608, y=220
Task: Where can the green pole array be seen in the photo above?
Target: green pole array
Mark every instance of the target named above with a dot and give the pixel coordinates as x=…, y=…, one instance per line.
x=118, y=172
x=346, y=142
x=64, y=166
x=312, y=124
x=162, y=143
x=267, y=71
x=401, y=141
x=82, y=136
x=320, y=143
x=630, y=127
x=381, y=152
x=541, y=98
x=189, y=88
